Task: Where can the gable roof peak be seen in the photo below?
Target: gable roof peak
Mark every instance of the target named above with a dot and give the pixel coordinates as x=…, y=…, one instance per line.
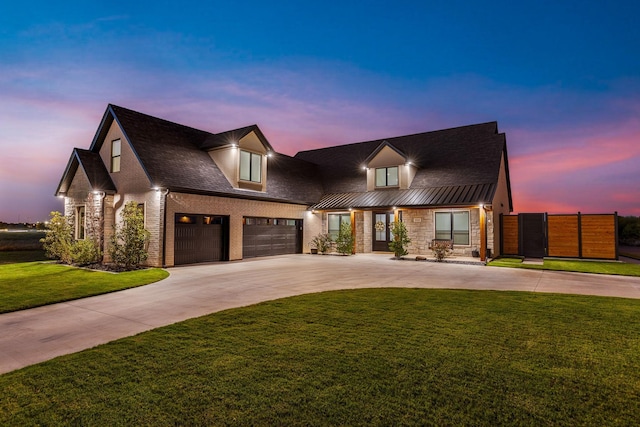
x=381, y=147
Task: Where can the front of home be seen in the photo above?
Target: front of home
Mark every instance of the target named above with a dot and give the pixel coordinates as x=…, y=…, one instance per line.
x=228, y=196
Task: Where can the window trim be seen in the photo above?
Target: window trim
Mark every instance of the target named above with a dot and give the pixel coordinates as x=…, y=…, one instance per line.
x=118, y=156
x=386, y=177
x=253, y=156
x=452, y=229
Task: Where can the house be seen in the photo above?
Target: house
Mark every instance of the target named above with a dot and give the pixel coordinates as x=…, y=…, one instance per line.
x=228, y=196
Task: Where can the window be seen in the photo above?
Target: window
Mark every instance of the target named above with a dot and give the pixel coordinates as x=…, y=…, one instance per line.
x=387, y=177
x=250, y=166
x=453, y=226
x=116, y=152
x=80, y=222
x=334, y=223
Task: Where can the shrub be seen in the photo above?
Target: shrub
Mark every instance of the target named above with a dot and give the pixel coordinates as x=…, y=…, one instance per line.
x=400, y=239
x=85, y=252
x=322, y=242
x=58, y=242
x=127, y=246
x=440, y=249
x=345, y=241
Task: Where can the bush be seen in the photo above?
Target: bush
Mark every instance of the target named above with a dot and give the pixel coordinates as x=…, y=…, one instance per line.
x=322, y=242
x=440, y=250
x=345, y=241
x=400, y=239
x=85, y=252
x=58, y=242
x=127, y=246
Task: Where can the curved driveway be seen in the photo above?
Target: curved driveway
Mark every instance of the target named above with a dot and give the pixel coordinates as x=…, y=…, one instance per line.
x=31, y=336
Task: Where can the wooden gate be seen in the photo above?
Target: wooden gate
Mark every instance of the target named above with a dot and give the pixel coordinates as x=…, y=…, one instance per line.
x=532, y=229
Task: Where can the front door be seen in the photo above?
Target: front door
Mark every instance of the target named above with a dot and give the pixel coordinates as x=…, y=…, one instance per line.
x=381, y=232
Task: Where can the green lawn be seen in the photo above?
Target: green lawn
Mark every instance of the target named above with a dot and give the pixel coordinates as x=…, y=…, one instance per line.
x=11, y=257
x=359, y=357
x=32, y=284
x=597, y=267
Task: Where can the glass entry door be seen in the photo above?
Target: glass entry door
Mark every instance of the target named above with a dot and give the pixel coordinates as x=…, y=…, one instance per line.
x=381, y=233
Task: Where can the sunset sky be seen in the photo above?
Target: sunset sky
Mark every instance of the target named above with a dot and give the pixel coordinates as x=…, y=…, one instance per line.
x=562, y=78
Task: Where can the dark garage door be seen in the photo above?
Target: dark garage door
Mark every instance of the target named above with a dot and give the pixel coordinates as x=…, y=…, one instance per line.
x=201, y=238
x=271, y=236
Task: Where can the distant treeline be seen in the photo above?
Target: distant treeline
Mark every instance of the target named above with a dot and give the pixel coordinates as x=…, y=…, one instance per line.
x=629, y=230
x=22, y=226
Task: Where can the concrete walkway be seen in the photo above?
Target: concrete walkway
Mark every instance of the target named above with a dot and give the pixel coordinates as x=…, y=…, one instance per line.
x=32, y=336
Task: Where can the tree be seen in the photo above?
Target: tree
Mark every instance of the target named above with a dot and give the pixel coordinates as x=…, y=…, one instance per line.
x=127, y=246
x=58, y=242
x=400, y=239
x=345, y=241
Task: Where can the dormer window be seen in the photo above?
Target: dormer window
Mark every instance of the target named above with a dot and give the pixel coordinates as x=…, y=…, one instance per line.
x=250, y=166
x=387, y=177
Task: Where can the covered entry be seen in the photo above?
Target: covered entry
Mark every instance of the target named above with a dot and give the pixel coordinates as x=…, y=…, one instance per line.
x=201, y=238
x=271, y=236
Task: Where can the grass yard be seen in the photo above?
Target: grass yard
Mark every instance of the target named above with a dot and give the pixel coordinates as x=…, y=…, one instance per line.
x=21, y=240
x=12, y=257
x=597, y=267
x=32, y=284
x=358, y=357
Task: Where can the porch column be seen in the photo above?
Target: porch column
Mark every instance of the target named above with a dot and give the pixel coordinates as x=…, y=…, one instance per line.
x=483, y=234
x=353, y=230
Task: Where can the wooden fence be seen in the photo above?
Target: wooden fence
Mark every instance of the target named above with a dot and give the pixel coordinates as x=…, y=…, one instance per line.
x=567, y=236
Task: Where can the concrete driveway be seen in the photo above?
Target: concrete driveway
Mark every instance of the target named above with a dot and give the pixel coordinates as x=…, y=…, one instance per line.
x=32, y=336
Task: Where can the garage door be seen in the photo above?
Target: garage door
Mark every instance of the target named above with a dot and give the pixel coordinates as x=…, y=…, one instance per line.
x=201, y=238
x=271, y=236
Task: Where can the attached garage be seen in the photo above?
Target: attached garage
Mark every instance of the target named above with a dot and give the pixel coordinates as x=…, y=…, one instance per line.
x=201, y=238
x=271, y=236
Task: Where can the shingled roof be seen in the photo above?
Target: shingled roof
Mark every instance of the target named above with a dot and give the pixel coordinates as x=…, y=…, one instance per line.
x=457, y=166
x=457, y=159
x=173, y=156
x=92, y=166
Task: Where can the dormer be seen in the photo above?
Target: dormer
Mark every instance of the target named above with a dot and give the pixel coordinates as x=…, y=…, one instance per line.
x=241, y=155
x=388, y=167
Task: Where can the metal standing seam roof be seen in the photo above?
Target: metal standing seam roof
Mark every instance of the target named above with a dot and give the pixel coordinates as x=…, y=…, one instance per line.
x=419, y=197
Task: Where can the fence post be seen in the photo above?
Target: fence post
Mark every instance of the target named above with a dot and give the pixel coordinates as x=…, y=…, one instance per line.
x=615, y=225
x=579, y=235
x=501, y=234
x=546, y=234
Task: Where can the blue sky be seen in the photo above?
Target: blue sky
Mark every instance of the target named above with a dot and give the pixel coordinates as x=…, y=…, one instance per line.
x=562, y=79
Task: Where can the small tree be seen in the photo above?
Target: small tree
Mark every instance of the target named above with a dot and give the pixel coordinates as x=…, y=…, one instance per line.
x=127, y=245
x=345, y=241
x=400, y=239
x=58, y=242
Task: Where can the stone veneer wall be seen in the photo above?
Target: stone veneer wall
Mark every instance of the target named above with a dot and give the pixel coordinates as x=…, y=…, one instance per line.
x=236, y=209
x=420, y=225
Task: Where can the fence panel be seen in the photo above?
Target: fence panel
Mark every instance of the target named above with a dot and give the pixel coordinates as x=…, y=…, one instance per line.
x=599, y=236
x=510, y=244
x=563, y=236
